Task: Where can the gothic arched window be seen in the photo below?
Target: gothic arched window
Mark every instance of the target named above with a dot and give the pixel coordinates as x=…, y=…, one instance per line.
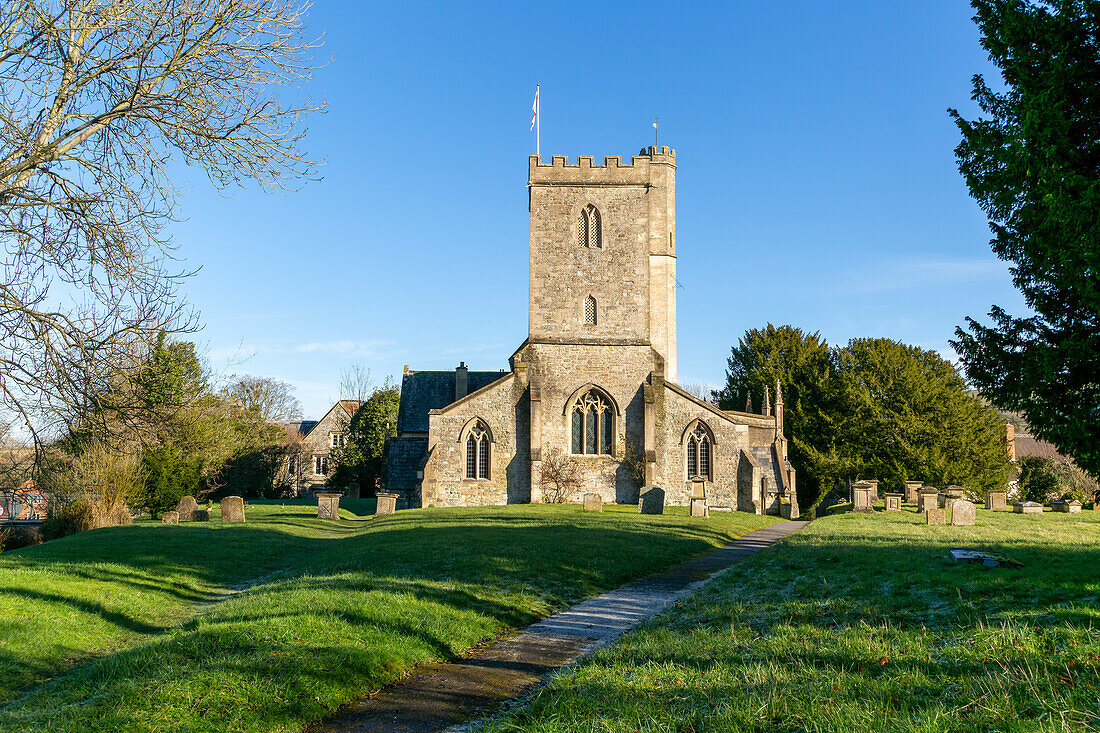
x=593, y=424
x=699, y=452
x=477, y=451
x=588, y=228
x=590, y=311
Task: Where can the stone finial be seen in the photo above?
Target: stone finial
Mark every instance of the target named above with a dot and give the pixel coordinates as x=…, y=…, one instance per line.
x=748, y=401
x=766, y=408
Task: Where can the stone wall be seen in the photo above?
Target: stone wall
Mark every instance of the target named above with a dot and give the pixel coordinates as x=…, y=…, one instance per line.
x=502, y=406
x=559, y=372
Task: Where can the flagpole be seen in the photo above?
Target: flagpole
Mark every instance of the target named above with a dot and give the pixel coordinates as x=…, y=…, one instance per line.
x=538, y=120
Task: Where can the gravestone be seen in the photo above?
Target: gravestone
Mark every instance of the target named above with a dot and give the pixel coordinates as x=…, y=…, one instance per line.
x=1070, y=506
x=893, y=502
x=699, y=508
x=353, y=490
x=996, y=501
x=651, y=500
x=912, y=489
x=1027, y=507
x=863, y=495
x=170, y=518
x=963, y=513
x=593, y=503
x=387, y=504
x=927, y=498
x=200, y=515
x=186, y=508
x=328, y=505
x=935, y=515
x=232, y=508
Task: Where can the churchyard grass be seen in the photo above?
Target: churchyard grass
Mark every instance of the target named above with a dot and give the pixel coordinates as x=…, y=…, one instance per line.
x=859, y=623
x=270, y=624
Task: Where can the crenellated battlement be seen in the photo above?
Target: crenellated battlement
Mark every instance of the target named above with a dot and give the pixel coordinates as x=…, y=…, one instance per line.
x=585, y=168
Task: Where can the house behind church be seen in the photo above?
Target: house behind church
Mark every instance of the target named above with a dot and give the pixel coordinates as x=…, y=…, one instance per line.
x=310, y=445
x=595, y=382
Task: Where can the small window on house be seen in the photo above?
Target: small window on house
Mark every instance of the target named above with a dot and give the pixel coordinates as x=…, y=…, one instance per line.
x=592, y=428
x=477, y=452
x=588, y=228
x=320, y=465
x=337, y=440
x=590, y=311
x=699, y=449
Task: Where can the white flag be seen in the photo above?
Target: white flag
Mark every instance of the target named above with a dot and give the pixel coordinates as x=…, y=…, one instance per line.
x=535, y=109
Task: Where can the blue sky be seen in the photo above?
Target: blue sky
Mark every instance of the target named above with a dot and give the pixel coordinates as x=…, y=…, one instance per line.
x=816, y=181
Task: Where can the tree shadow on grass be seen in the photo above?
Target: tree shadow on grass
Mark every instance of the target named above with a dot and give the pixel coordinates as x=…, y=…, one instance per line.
x=482, y=573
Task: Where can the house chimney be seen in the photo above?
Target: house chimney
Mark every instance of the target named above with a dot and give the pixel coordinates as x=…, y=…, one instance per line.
x=462, y=381
x=1010, y=441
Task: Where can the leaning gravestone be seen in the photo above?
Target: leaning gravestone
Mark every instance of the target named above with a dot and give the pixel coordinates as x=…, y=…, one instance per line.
x=1027, y=507
x=232, y=508
x=200, y=515
x=170, y=518
x=186, y=508
x=328, y=505
x=936, y=516
x=963, y=513
x=387, y=504
x=651, y=501
x=593, y=503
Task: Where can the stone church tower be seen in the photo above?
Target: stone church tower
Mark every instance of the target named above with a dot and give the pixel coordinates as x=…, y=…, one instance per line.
x=594, y=384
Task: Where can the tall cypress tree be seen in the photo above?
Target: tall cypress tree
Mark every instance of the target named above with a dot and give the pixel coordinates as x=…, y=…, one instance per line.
x=1032, y=161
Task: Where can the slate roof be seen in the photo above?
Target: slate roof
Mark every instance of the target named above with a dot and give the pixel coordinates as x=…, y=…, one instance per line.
x=295, y=427
x=423, y=391
x=767, y=459
x=403, y=459
x=1028, y=445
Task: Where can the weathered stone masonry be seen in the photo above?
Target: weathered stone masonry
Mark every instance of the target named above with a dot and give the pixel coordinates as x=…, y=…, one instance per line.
x=596, y=378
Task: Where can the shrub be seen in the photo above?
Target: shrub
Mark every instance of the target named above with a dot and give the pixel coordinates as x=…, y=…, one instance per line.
x=559, y=478
x=169, y=477
x=14, y=538
x=91, y=490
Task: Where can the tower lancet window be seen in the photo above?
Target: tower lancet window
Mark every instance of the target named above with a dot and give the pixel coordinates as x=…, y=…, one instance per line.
x=589, y=232
x=590, y=311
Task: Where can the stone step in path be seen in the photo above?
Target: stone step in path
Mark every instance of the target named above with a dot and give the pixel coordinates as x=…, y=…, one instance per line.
x=442, y=695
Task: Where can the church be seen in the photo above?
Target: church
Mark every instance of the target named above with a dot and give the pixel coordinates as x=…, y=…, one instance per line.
x=594, y=384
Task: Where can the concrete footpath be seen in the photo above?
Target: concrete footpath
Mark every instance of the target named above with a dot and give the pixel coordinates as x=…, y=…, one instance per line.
x=441, y=695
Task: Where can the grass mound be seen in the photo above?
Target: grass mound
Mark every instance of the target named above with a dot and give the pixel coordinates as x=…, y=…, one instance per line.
x=858, y=623
x=140, y=628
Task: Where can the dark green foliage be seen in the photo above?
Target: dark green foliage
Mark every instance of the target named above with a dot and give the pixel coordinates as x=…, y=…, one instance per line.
x=361, y=459
x=1033, y=164
x=908, y=416
x=1048, y=479
x=1038, y=480
x=252, y=473
x=873, y=409
x=170, y=476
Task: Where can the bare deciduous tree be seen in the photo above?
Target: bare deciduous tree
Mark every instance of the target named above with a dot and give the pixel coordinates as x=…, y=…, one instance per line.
x=97, y=99
x=559, y=478
x=356, y=383
x=272, y=399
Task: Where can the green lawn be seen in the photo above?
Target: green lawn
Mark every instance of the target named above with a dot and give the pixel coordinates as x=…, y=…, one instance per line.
x=274, y=623
x=857, y=623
